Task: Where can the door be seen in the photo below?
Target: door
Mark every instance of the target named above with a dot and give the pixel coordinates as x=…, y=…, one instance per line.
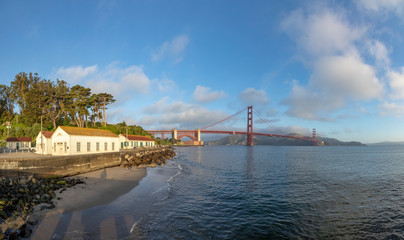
x=18, y=146
x=59, y=148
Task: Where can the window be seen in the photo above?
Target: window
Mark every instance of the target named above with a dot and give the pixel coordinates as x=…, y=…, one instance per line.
x=78, y=146
x=106, y=146
x=97, y=146
x=88, y=146
x=113, y=146
x=65, y=145
x=10, y=144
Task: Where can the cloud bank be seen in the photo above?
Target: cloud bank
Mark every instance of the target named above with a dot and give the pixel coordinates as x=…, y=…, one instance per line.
x=339, y=73
x=204, y=94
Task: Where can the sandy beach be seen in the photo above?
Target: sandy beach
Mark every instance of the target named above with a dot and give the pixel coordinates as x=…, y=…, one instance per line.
x=102, y=187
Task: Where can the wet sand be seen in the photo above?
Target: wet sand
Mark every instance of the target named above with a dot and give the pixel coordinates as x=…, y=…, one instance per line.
x=102, y=187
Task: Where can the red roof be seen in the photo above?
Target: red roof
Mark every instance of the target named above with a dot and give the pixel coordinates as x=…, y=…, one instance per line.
x=138, y=138
x=19, y=139
x=47, y=134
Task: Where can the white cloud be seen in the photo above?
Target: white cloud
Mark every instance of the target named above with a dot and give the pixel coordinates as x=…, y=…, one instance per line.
x=121, y=82
x=173, y=49
x=75, y=74
x=382, y=6
x=204, y=94
x=177, y=114
x=339, y=73
x=307, y=104
x=346, y=76
x=335, y=81
x=251, y=96
x=391, y=108
x=320, y=34
x=396, y=81
x=379, y=51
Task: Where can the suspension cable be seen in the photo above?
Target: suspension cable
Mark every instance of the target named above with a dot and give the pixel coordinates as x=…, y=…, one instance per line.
x=223, y=119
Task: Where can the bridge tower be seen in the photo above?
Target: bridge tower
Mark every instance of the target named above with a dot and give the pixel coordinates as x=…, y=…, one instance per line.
x=198, y=135
x=174, y=135
x=250, y=141
x=315, y=137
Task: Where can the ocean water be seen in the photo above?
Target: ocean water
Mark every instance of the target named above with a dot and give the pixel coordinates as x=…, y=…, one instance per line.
x=265, y=192
x=260, y=192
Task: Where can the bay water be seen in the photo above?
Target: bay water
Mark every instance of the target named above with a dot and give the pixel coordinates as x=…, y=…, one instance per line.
x=265, y=192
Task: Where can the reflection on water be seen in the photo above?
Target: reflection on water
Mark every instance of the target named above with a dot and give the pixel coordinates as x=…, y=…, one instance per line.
x=259, y=192
x=250, y=168
x=238, y=192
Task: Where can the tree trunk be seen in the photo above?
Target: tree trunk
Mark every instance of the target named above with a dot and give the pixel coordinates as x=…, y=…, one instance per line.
x=103, y=114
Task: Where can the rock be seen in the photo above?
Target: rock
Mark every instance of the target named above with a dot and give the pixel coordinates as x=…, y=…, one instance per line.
x=14, y=236
x=3, y=214
x=152, y=165
x=25, y=231
x=23, y=181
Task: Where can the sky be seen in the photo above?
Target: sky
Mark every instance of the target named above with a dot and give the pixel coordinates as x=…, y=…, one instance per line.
x=337, y=66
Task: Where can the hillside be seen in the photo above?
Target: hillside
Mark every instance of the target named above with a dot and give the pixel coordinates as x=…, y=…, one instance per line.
x=275, y=141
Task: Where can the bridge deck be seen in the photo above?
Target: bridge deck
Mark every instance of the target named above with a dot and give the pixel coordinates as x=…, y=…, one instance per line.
x=228, y=132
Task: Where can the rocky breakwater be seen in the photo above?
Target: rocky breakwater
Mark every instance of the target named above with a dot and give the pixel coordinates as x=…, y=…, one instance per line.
x=147, y=157
x=19, y=196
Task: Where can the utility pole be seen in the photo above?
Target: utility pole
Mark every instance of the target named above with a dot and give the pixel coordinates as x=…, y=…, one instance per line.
x=127, y=142
x=42, y=145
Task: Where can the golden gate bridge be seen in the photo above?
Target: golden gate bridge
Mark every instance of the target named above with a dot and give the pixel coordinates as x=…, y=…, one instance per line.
x=195, y=135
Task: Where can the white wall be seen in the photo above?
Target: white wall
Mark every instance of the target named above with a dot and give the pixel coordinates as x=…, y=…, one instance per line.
x=60, y=138
x=47, y=148
x=21, y=145
x=132, y=144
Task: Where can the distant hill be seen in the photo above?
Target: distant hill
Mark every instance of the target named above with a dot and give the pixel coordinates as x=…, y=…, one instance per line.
x=386, y=144
x=276, y=141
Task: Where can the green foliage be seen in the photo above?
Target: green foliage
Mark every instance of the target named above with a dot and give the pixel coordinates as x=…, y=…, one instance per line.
x=47, y=104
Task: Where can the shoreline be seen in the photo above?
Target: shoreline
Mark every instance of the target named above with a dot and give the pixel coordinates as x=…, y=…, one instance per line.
x=47, y=200
x=101, y=187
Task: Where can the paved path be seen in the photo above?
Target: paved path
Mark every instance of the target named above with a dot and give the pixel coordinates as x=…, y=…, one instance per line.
x=22, y=155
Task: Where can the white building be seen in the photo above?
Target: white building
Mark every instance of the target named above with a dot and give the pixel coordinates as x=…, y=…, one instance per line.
x=132, y=141
x=19, y=143
x=44, y=142
x=75, y=140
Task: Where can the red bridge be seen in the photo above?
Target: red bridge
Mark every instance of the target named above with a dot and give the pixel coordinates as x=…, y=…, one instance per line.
x=195, y=135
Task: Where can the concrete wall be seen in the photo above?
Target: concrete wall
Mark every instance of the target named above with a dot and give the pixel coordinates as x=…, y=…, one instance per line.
x=59, y=165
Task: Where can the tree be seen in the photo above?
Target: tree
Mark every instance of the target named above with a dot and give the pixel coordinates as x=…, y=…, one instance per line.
x=37, y=101
x=21, y=87
x=57, y=102
x=6, y=103
x=77, y=102
x=95, y=107
x=106, y=100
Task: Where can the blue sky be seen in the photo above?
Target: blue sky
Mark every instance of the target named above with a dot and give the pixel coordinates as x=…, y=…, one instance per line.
x=336, y=66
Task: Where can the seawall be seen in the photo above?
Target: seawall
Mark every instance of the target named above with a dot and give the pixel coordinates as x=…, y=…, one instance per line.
x=67, y=165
